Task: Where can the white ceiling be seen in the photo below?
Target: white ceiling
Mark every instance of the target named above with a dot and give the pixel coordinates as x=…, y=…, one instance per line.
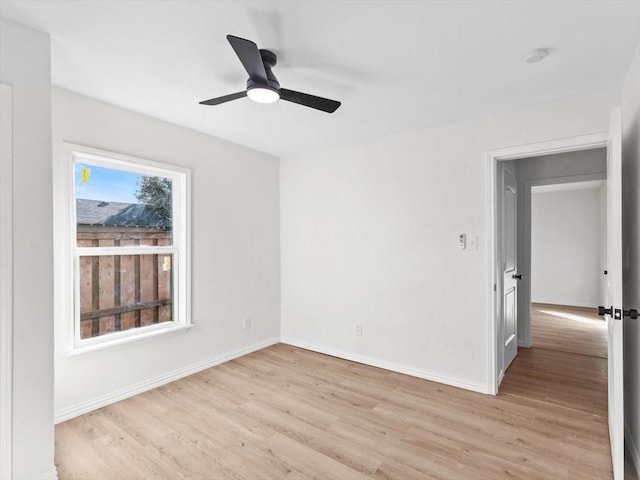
x=395, y=65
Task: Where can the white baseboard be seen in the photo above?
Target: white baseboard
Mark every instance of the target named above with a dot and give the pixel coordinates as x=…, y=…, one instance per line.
x=85, y=407
x=454, y=382
x=633, y=449
x=104, y=400
x=48, y=475
x=570, y=304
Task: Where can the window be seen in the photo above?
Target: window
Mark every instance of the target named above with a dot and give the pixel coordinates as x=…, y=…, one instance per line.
x=128, y=245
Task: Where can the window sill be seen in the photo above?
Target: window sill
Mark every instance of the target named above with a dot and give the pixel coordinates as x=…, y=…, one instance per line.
x=110, y=344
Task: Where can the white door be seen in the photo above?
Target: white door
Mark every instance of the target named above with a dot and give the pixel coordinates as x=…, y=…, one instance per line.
x=614, y=293
x=509, y=268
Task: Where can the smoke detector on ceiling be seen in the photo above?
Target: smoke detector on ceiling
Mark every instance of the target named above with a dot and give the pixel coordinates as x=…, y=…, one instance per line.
x=537, y=55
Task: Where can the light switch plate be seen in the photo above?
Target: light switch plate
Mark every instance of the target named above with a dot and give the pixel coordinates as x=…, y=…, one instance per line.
x=462, y=241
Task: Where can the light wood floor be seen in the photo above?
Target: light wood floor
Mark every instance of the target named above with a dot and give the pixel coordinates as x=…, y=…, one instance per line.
x=568, y=329
x=287, y=413
x=576, y=382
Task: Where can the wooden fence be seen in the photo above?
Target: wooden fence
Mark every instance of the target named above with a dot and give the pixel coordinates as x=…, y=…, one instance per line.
x=120, y=292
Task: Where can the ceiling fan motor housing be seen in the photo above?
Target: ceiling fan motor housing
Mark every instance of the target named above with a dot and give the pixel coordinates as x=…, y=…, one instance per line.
x=269, y=59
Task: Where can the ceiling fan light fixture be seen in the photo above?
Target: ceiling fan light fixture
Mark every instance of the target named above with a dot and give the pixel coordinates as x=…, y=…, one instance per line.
x=262, y=85
x=263, y=94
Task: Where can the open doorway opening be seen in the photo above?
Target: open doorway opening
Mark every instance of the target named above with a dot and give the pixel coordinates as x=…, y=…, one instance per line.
x=564, y=380
x=561, y=256
x=560, y=247
x=568, y=265
x=514, y=176
x=560, y=196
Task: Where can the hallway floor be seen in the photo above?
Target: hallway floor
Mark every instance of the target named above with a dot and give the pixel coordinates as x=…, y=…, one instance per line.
x=566, y=366
x=568, y=329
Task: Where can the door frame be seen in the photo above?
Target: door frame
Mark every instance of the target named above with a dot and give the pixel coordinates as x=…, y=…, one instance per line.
x=6, y=282
x=550, y=147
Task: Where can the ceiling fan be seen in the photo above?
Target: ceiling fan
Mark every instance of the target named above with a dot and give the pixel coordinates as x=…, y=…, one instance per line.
x=262, y=85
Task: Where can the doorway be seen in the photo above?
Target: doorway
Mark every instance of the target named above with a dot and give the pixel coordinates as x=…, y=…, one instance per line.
x=611, y=143
x=568, y=265
x=579, y=159
x=562, y=357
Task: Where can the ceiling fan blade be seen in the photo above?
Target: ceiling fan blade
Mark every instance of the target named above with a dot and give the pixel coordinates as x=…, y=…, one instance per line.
x=226, y=98
x=307, y=100
x=249, y=55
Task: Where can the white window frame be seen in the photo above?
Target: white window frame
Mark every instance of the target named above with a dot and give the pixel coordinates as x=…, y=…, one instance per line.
x=181, y=314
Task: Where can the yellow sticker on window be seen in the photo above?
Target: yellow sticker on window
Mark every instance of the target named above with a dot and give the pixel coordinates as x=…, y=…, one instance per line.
x=166, y=265
x=85, y=174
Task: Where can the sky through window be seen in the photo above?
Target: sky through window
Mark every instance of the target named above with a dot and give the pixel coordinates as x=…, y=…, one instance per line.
x=107, y=184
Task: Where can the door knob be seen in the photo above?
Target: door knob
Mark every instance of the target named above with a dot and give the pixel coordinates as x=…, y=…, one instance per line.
x=517, y=277
x=633, y=313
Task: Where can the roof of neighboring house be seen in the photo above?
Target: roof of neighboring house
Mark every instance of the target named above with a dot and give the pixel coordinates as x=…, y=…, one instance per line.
x=97, y=212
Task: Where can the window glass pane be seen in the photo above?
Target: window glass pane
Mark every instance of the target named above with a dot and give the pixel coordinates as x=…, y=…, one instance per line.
x=120, y=292
x=120, y=208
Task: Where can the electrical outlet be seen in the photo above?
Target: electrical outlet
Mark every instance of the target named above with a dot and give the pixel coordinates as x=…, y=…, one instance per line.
x=359, y=329
x=246, y=323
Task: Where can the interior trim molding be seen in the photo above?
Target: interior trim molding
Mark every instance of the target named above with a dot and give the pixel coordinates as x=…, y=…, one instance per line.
x=112, y=397
x=6, y=282
x=454, y=382
x=633, y=449
x=48, y=475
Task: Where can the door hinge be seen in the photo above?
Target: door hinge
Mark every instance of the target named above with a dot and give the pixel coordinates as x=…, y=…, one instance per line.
x=605, y=311
x=618, y=313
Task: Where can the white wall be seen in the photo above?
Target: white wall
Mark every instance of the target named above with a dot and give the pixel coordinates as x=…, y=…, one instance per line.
x=565, y=247
x=369, y=235
x=235, y=253
x=24, y=64
x=630, y=101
